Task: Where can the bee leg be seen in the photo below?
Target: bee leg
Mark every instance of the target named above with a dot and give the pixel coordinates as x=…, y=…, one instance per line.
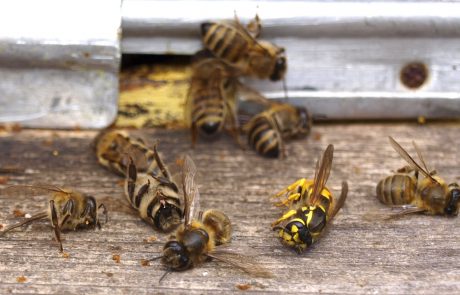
x=254, y=27
x=291, y=189
x=57, y=229
x=161, y=164
x=288, y=215
x=291, y=198
x=234, y=128
x=131, y=178
x=105, y=214
x=194, y=133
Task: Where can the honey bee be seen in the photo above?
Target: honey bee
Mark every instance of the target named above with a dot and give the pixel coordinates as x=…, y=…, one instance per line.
x=237, y=45
x=67, y=209
x=154, y=196
x=211, y=100
x=114, y=146
x=311, y=206
x=196, y=239
x=268, y=129
x=414, y=189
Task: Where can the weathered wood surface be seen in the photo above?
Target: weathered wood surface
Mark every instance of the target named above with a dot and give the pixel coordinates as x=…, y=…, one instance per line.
x=416, y=255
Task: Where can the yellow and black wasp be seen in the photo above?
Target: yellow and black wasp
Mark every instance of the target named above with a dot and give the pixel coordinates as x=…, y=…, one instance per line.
x=311, y=206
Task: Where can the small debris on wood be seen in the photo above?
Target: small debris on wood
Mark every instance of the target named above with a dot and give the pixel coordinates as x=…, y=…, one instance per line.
x=11, y=170
x=65, y=255
x=21, y=279
x=150, y=239
x=1, y=226
x=19, y=213
x=145, y=262
x=421, y=120
x=27, y=215
x=179, y=162
x=55, y=153
x=4, y=179
x=116, y=258
x=121, y=182
x=243, y=287
x=317, y=136
x=109, y=274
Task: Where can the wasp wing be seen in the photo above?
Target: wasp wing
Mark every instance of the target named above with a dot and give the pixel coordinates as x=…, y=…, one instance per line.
x=323, y=169
x=191, y=193
x=245, y=263
x=405, y=155
x=341, y=200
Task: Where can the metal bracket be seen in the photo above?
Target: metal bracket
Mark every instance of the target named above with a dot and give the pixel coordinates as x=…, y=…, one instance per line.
x=347, y=60
x=59, y=62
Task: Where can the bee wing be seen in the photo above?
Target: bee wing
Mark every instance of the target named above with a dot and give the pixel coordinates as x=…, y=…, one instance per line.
x=405, y=155
x=341, y=200
x=191, y=193
x=323, y=169
x=246, y=263
x=32, y=190
x=391, y=213
x=419, y=154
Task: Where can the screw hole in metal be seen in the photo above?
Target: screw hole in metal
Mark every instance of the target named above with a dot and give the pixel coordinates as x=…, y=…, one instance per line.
x=413, y=75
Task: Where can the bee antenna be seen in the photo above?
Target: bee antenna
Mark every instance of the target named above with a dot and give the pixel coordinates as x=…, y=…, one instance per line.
x=164, y=275
x=156, y=258
x=27, y=221
x=286, y=97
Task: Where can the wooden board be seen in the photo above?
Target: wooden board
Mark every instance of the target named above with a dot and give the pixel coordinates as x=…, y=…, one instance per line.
x=414, y=255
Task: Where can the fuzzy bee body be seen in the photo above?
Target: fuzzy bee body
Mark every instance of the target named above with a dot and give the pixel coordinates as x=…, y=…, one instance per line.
x=211, y=99
x=268, y=129
x=114, y=146
x=414, y=189
x=237, y=46
x=67, y=209
x=398, y=189
x=155, y=197
x=311, y=207
x=197, y=239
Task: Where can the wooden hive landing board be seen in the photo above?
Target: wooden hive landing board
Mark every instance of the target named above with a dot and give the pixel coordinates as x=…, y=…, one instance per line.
x=415, y=255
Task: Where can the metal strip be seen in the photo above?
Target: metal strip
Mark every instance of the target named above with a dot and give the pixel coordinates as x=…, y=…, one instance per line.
x=350, y=53
x=59, y=62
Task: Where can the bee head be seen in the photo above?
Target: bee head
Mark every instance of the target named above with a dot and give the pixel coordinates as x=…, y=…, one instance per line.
x=175, y=256
x=304, y=124
x=167, y=217
x=280, y=67
x=453, y=202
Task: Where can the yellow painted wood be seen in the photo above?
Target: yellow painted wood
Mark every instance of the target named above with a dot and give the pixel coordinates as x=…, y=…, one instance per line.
x=152, y=96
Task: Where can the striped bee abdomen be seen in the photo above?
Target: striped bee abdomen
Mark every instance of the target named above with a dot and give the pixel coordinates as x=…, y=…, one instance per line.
x=208, y=112
x=225, y=41
x=398, y=189
x=263, y=137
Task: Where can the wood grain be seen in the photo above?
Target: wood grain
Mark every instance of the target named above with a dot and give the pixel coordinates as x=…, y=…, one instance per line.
x=415, y=255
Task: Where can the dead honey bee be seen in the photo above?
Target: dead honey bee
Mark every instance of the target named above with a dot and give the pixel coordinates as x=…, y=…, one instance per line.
x=154, y=195
x=237, y=45
x=311, y=206
x=196, y=239
x=67, y=209
x=415, y=189
x=268, y=129
x=113, y=147
x=211, y=100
